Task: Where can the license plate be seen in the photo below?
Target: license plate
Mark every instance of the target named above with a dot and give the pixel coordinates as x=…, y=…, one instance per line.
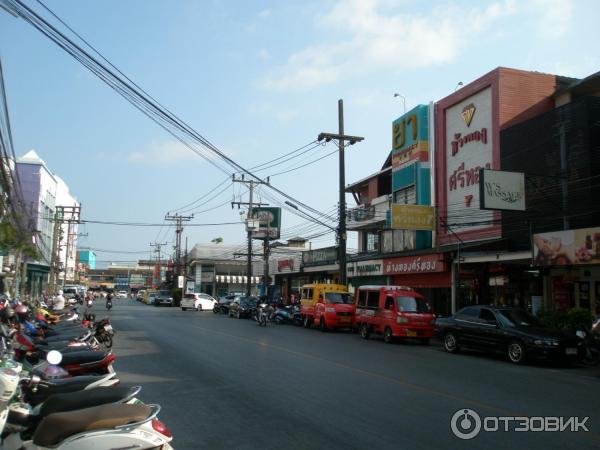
x=108, y=327
x=571, y=351
x=411, y=333
x=345, y=319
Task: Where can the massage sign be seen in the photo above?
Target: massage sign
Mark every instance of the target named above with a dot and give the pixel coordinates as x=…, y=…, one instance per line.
x=468, y=149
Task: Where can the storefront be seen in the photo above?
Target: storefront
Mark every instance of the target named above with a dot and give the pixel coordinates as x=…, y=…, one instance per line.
x=571, y=260
x=429, y=274
x=37, y=279
x=369, y=272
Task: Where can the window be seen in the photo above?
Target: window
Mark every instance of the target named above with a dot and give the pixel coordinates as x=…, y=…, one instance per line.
x=517, y=318
x=406, y=196
x=389, y=302
x=371, y=241
x=412, y=304
x=487, y=316
x=469, y=312
x=362, y=298
x=337, y=298
x=372, y=299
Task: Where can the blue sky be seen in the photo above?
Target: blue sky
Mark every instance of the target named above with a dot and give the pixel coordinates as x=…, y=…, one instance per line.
x=258, y=79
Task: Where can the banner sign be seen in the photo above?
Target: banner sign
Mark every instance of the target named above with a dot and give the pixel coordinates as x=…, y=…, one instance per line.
x=413, y=217
x=365, y=268
x=414, y=264
x=562, y=248
x=501, y=190
x=269, y=223
x=410, y=134
x=321, y=256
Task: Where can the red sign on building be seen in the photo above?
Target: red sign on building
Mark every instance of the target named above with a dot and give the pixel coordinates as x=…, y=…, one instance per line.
x=414, y=264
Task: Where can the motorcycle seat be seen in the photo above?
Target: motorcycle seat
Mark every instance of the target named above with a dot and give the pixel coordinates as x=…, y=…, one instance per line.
x=57, y=427
x=86, y=399
x=62, y=385
x=82, y=357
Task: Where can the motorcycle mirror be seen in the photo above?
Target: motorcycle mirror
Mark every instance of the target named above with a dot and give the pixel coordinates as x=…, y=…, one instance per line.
x=54, y=357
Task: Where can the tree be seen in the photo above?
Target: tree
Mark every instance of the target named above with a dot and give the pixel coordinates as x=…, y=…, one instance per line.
x=217, y=240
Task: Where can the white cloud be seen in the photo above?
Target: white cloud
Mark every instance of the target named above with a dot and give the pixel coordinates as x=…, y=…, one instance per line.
x=264, y=54
x=264, y=13
x=168, y=152
x=555, y=19
x=376, y=40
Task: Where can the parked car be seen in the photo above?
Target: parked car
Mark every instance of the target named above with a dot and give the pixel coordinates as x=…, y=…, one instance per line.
x=394, y=312
x=243, y=307
x=150, y=297
x=511, y=331
x=223, y=306
x=164, y=297
x=198, y=301
x=140, y=295
x=122, y=294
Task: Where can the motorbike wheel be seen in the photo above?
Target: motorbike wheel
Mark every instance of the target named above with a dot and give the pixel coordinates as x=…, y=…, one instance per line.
x=591, y=357
x=108, y=341
x=307, y=322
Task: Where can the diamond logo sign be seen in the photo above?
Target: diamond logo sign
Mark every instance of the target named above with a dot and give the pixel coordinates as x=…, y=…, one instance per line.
x=467, y=113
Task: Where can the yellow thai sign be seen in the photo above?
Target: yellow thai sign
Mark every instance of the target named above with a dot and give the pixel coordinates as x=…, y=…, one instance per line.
x=413, y=217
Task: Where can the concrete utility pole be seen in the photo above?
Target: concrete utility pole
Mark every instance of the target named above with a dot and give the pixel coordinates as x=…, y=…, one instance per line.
x=249, y=223
x=62, y=214
x=341, y=137
x=157, y=246
x=178, y=219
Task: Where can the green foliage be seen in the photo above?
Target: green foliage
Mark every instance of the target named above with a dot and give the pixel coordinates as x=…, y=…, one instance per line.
x=572, y=320
x=17, y=240
x=217, y=240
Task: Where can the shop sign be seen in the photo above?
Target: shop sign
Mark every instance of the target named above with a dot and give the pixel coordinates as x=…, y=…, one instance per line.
x=563, y=248
x=284, y=264
x=413, y=217
x=469, y=149
x=321, y=256
x=414, y=264
x=269, y=223
x=502, y=190
x=410, y=134
x=372, y=267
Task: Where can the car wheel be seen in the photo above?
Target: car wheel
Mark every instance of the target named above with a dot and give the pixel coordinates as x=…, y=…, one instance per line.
x=388, y=337
x=451, y=343
x=322, y=325
x=364, y=331
x=216, y=310
x=516, y=351
x=199, y=307
x=307, y=321
x=183, y=309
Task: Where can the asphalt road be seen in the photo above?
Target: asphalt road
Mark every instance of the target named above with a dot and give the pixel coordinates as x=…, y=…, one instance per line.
x=227, y=383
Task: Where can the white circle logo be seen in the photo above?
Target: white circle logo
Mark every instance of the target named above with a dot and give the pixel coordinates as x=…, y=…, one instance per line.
x=465, y=424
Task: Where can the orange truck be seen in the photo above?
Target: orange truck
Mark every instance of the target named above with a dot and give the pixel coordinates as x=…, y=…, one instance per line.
x=328, y=306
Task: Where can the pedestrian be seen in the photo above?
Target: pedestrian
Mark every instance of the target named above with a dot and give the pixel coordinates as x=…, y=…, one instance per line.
x=58, y=303
x=109, y=299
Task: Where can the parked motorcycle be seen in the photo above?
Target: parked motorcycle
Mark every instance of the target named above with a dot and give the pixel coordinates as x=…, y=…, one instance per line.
x=283, y=314
x=264, y=314
x=591, y=344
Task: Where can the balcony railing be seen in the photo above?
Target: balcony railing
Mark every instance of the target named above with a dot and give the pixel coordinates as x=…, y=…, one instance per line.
x=369, y=216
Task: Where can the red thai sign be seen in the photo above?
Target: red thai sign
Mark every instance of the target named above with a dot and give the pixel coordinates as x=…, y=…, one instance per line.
x=285, y=263
x=414, y=264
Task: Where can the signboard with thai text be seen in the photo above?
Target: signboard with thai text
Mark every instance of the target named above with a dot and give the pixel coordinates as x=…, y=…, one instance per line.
x=414, y=264
x=413, y=217
x=410, y=134
x=468, y=149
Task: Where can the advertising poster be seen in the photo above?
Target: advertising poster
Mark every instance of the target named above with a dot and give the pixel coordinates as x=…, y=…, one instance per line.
x=564, y=248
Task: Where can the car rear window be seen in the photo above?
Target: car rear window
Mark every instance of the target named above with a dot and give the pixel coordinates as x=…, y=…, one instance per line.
x=192, y=296
x=412, y=304
x=165, y=293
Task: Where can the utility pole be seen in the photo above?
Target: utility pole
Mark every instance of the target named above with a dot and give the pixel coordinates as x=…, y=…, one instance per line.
x=157, y=246
x=341, y=137
x=267, y=250
x=178, y=219
x=249, y=223
x=71, y=215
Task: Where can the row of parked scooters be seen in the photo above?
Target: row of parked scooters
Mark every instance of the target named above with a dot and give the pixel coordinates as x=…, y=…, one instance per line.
x=58, y=388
